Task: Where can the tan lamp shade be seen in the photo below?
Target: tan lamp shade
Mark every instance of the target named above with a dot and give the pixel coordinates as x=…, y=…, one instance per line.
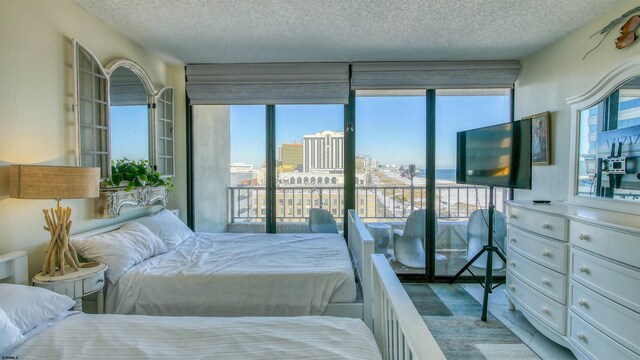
x=53, y=182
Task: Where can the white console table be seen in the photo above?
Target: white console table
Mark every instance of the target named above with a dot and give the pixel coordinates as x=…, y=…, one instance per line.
x=574, y=272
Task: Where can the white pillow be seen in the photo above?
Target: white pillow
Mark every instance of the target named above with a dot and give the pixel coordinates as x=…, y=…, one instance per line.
x=120, y=249
x=10, y=335
x=167, y=227
x=29, y=306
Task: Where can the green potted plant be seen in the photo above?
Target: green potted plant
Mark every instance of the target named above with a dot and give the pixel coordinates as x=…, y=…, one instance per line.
x=134, y=174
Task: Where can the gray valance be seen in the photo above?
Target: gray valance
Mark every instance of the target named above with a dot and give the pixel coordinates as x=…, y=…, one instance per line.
x=273, y=83
x=434, y=75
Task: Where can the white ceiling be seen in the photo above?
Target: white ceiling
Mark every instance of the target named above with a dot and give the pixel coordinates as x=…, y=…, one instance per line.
x=245, y=31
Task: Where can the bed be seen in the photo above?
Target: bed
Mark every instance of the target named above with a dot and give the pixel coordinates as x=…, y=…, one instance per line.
x=399, y=333
x=240, y=274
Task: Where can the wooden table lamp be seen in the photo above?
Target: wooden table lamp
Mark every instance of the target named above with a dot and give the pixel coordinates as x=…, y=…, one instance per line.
x=55, y=182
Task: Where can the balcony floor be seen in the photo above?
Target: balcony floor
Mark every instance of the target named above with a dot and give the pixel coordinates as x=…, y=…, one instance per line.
x=450, y=266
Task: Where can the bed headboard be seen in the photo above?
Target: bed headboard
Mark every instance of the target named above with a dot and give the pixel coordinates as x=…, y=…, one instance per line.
x=14, y=268
x=115, y=226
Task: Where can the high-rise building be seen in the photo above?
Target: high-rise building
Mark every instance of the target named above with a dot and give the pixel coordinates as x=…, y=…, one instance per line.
x=291, y=155
x=324, y=151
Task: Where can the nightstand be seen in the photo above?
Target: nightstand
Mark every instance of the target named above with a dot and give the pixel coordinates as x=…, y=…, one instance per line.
x=87, y=280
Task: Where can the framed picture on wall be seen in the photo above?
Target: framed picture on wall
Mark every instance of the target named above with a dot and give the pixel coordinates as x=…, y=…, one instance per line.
x=540, y=139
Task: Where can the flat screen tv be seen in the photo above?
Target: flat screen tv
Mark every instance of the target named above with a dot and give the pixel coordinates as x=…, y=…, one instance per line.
x=498, y=155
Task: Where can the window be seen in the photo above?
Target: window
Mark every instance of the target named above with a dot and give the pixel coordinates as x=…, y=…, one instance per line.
x=390, y=138
x=310, y=150
x=459, y=110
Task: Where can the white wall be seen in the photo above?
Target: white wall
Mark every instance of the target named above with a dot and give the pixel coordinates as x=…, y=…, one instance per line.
x=556, y=73
x=36, y=122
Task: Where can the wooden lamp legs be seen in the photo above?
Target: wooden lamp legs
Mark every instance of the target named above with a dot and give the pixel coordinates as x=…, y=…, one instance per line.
x=60, y=252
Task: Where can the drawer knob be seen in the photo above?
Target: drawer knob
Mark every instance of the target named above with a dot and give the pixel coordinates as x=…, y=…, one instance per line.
x=583, y=237
x=100, y=280
x=581, y=336
x=513, y=216
x=546, y=226
x=512, y=263
x=512, y=240
x=546, y=282
x=583, y=269
x=512, y=287
x=583, y=302
x=545, y=310
x=546, y=253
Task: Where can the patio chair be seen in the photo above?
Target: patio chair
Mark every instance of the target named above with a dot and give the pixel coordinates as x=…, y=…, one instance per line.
x=321, y=221
x=408, y=244
x=477, y=235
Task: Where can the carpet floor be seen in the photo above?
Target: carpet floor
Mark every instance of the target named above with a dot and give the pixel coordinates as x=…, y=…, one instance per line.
x=453, y=317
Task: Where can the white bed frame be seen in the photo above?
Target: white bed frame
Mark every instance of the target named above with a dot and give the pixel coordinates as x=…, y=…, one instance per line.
x=398, y=327
x=361, y=246
x=399, y=330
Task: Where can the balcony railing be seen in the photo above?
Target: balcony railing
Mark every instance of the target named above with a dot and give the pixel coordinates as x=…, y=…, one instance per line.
x=373, y=203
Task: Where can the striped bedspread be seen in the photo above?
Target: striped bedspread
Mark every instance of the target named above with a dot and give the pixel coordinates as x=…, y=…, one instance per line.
x=85, y=336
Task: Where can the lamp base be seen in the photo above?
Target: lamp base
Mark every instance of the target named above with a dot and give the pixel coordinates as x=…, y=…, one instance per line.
x=60, y=252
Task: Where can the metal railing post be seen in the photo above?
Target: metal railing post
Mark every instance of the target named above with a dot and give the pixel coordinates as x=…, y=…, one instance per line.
x=232, y=201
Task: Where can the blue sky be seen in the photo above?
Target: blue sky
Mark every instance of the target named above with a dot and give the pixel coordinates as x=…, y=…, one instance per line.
x=129, y=132
x=390, y=129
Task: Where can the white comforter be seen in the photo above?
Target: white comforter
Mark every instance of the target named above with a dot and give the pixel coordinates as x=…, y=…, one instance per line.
x=84, y=336
x=239, y=275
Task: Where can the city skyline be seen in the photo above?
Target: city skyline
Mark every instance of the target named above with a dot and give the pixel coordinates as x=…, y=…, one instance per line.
x=400, y=144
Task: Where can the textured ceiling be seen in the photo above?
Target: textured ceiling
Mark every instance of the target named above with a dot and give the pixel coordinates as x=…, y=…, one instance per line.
x=244, y=31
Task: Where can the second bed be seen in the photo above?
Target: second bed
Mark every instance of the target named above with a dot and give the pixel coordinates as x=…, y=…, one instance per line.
x=226, y=274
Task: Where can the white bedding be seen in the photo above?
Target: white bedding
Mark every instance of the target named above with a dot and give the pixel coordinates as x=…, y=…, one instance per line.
x=239, y=275
x=85, y=336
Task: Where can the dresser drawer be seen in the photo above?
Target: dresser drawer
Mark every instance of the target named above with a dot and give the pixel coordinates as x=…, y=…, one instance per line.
x=617, y=245
x=93, y=283
x=546, y=310
x=593, y=343
x=613, y=320
x=616, y=282
x=549, y=253
x=548, y=282
x=545, y=224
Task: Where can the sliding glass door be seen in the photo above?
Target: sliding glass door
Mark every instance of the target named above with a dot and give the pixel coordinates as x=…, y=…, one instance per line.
x=390, y=173
x=309, y=165
x=394, y=172
x=462, y=209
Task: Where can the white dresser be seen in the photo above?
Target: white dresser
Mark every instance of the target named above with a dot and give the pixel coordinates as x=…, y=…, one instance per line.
x=574, y=272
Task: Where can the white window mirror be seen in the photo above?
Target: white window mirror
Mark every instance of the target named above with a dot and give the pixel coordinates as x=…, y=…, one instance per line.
x=606, y=148
x=164, y=144
x=130, y=117
x=118, y=114
x=90, y=110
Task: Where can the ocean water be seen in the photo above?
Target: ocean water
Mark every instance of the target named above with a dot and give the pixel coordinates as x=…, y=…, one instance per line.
x=441, y=174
